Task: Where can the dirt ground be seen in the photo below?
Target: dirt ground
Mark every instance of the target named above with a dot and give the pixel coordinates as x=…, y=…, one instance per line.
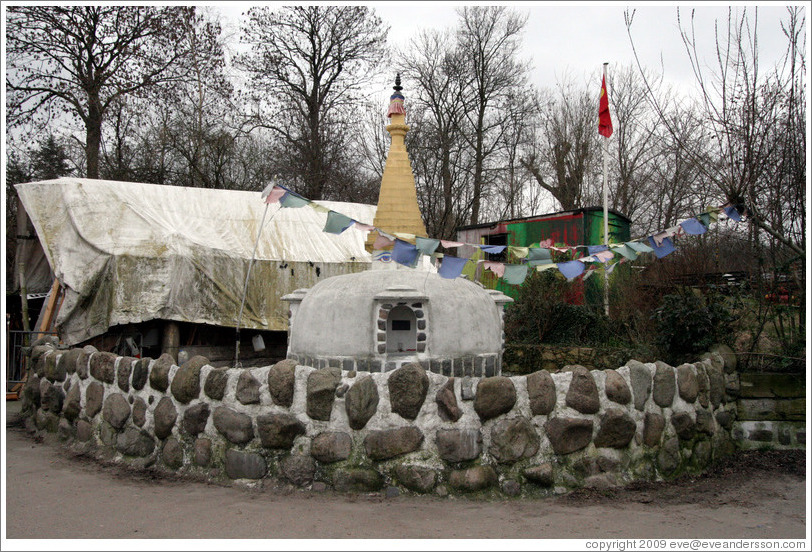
x=54, y=494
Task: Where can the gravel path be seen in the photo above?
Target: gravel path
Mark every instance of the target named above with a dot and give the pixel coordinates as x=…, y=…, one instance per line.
x=51, y=493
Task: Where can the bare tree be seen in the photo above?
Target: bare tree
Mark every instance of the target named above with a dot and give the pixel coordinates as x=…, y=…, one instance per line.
x=118, y=156
x=563, y=152
x=740, y=108
x=489, y=38
x=753, y=130
x=443, y=208
x=306, y=64
x=370, y=146
x=80, y=59
x=202, y=107
x=509, y=197
x=635, y=145
x=189, y=133
x=437, y=68
x=676, y=189
x=784, y=182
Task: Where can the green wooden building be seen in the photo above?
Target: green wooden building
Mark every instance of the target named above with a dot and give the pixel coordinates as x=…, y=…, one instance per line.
x=576, y=227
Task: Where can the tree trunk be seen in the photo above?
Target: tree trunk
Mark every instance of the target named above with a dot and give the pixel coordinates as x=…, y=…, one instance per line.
x=478, y=164
x=448, y=198
x=93, y=126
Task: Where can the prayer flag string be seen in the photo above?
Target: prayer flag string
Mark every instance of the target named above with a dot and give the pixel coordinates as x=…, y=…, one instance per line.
x=538, y=257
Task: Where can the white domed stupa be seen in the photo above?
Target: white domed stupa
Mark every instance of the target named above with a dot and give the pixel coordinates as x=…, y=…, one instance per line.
x=378, y=320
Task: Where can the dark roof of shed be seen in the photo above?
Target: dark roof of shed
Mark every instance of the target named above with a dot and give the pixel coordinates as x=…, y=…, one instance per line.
x=542, y=217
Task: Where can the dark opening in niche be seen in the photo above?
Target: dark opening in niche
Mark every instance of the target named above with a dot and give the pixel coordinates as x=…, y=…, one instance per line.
x=401, y=325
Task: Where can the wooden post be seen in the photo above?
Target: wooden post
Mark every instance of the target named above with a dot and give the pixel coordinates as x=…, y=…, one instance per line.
x=51, y=308
x=171, y=339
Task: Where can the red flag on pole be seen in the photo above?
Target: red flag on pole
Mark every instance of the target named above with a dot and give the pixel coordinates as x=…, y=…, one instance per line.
x=604, y=119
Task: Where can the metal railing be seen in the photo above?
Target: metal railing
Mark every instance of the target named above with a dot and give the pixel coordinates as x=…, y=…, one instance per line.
x=16, y=362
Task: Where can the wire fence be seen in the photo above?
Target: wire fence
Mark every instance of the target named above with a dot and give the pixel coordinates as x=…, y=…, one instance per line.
x=16, y=362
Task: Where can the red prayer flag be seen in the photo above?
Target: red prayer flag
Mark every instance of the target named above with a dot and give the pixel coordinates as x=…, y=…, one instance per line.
x=604, y=119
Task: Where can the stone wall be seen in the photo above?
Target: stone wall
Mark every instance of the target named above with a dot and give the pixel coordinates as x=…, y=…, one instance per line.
x=771, y=409
x=407, y=430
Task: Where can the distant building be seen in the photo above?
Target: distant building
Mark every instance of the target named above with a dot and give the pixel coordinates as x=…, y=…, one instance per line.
x=576, y=227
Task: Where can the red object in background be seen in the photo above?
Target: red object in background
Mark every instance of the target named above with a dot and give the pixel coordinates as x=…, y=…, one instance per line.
x=781, y=296
x=604, y=119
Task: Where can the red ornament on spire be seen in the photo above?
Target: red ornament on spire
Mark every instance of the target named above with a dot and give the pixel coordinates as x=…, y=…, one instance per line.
x=396, y=100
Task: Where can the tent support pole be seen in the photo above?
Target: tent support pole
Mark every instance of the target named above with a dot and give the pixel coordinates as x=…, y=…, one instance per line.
x=171, y=339
x=245, y=287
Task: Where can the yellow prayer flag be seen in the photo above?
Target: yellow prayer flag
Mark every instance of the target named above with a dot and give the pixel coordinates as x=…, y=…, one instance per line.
x=520, y=252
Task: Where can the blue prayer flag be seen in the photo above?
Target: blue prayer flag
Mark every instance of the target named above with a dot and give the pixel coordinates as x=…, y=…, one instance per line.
x=732, y=213
x=693, y=227
x=493, y=249
x=596, y=248
x=665, y=248
x=451, y=267
x=404, y=253
x=571, y=269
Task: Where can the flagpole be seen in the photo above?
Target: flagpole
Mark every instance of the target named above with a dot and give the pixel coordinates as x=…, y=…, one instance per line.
x=605, y=212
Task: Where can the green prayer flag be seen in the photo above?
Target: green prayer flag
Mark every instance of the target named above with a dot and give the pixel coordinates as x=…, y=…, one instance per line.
x=515, y=274
x=337, y=223
x=294, y=201
x=626, y=251
x=704, y=218
x=426, y=246
x=541, y=262
x=539, y=254
x=639, y=247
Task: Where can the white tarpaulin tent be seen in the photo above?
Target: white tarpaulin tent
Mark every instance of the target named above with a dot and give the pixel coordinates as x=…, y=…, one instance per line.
x=127, y=252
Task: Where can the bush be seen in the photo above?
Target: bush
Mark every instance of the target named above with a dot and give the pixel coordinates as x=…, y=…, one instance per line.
x=688, y=324
x=541, y=314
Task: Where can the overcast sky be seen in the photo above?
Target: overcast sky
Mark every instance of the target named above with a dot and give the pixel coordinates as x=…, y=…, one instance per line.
x=572, y=40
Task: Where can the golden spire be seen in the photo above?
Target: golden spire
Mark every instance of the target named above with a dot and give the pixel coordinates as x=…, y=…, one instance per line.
x=397, y=201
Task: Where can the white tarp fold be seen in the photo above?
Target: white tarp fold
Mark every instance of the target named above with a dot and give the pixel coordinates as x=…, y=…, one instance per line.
x=129, y=252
